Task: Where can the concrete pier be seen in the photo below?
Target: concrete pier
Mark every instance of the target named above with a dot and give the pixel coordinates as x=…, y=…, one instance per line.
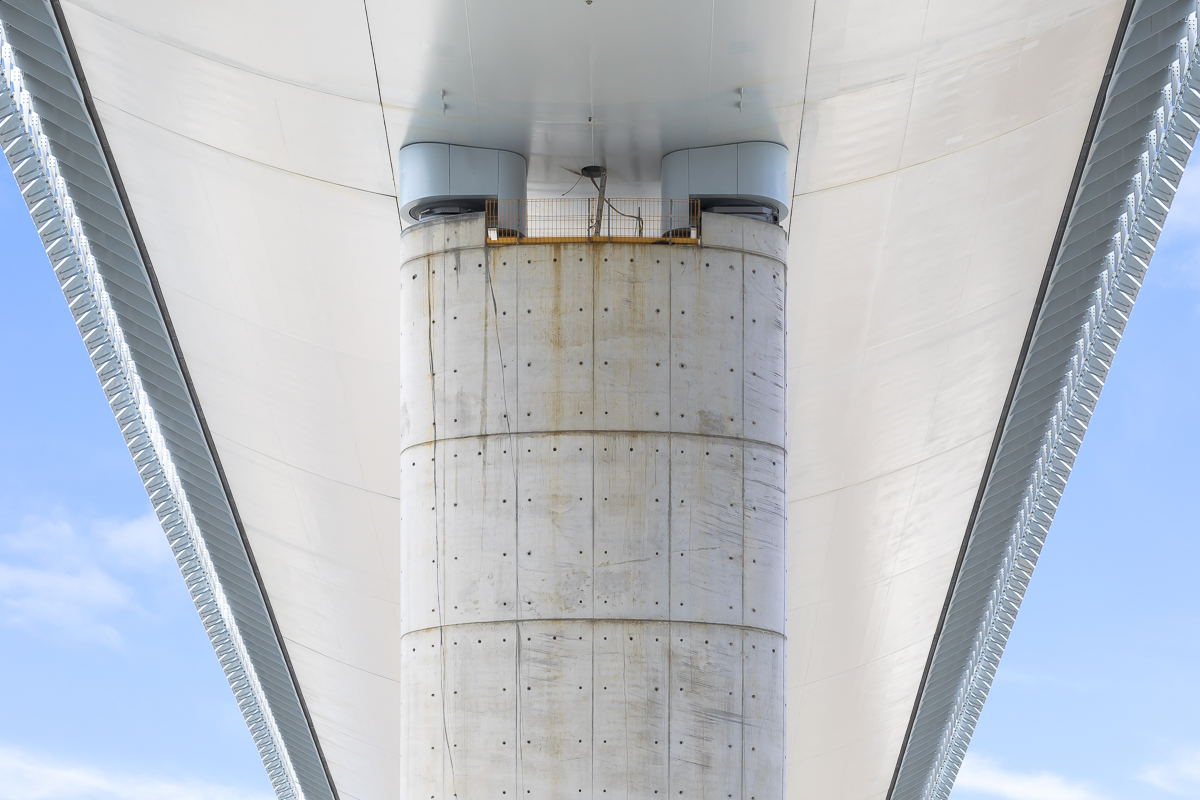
x=593, y=515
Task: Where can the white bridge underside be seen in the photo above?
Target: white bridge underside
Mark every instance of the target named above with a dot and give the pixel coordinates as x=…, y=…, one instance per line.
x=933, y=144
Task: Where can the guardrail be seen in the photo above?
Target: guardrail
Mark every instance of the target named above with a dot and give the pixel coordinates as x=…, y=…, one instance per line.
x=578, y=219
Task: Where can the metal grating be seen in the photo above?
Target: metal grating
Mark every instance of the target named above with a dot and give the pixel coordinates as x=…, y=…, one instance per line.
x=57, y=155
x=1147, y=128
x=551, y=220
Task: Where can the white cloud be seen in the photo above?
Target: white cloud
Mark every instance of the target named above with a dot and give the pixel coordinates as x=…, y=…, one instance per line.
x=137, y=543
x=41, y=538
x=57, y=580
x=74, y=600
x=1179, y=776
x=984, y=776
x=27, y=776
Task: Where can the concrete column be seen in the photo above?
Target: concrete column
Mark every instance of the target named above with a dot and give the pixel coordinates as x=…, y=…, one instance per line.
x=593, y=516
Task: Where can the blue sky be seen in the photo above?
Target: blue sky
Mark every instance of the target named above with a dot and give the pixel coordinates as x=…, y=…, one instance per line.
x=1096, y=695
x=110, y=688
x=111, y=691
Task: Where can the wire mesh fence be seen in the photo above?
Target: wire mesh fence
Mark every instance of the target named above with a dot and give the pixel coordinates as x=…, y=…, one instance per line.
x=591, y=219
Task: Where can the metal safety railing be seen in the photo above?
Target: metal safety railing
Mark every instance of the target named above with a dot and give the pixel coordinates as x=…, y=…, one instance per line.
x=590, y=219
